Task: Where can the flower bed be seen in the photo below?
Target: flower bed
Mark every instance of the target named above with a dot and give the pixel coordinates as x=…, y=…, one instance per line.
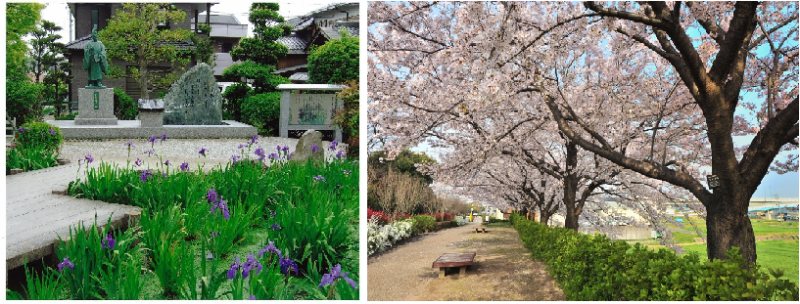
x=35, y=147
x=590, y=268
x=385, y=231
x=261, y=227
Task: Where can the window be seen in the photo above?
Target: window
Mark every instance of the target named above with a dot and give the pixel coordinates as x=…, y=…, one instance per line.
x=227, y=47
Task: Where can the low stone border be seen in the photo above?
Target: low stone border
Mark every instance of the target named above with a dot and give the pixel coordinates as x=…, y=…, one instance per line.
x=132, y=129
x=61, y=162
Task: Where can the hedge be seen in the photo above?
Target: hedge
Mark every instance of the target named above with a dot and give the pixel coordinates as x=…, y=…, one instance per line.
x=591, y=268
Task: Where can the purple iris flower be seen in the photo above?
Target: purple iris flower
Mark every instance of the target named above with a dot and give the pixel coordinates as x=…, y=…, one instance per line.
x=269, y=248
x=21, y=130
x=67, y=263
x=212, y=196
x=319, y=178
x=273, y=214
x=336, y=273
x=138, y=162
x=214, y=233
x=333, y=145
x=252, y=297
x=167, y=163
x=260, y=152
x=314, y=148
x=89, y=158
x=340, y=154
x=163, y=137
x=129, y=144
x=153, y=139
x=285, y=149
x=273, y=156
x=202, y=152
x=164, y=175
x=285, y=263
x=241, y=146
x=222, y=205
x=235, y=158
x=108, y=242
x=289, y=157
x=275, y=227
x=149, y=152
x=249, y=265
x=234, y=268
x=253, y=140
x=184, y=166
x=145, y=175
x=347, y=172
x=52, y=132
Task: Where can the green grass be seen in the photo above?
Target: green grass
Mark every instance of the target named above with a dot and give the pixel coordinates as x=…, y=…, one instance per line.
x=760, y=228
x=778, y=254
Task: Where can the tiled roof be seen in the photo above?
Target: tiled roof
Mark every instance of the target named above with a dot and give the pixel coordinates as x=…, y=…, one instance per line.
x=299, y=76
x=291, y=69
x=80, y=43
x=295, y=43
x=218, y=19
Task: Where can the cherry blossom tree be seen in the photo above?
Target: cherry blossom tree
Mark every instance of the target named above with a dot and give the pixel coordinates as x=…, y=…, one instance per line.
x=652, y=88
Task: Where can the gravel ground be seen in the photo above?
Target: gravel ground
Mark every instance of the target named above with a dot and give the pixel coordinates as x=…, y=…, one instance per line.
x=503, y=269
x=218, y=151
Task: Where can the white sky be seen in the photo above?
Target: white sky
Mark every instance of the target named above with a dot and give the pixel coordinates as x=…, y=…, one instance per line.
x=58, y=12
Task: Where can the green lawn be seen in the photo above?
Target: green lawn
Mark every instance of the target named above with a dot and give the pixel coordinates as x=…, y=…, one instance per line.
x=779, y=254
x=760, y=228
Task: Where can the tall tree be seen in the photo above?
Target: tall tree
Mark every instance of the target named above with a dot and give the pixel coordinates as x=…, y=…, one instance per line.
x=269, y=26
x=713, y=73
x=44, y=48
x=21, y=19
x=135, y=34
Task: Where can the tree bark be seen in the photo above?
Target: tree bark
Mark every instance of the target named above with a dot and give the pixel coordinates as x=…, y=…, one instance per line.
x=571, y=187
x=730, y=227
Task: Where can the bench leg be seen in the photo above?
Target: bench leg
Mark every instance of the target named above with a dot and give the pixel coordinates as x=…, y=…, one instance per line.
x=441, y=272
x=462, y=272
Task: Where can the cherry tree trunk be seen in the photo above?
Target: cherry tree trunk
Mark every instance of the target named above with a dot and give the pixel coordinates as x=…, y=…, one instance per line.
x=571, y=187
x=729, y=226
x=544, y=217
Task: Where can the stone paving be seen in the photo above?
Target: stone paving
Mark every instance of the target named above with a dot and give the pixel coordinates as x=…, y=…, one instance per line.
x=35, y=217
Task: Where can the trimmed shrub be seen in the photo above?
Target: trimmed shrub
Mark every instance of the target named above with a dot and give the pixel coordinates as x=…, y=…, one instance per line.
x=423, y=224
x=596, y=268
x=39, y=134
x=263, y=112
x=24, y=100
x=124, y=106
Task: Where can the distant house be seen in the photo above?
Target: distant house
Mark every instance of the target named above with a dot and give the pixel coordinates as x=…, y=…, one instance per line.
x=315, y=28
x=226, y=30
x=88, y=14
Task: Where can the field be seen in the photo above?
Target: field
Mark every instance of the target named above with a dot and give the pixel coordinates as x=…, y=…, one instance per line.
x=774, y=246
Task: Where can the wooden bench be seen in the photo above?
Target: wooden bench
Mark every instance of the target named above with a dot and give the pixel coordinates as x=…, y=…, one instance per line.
x=461, y=260
x=478, y=229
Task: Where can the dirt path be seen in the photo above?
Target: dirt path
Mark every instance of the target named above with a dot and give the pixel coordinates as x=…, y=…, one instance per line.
x=503, y=270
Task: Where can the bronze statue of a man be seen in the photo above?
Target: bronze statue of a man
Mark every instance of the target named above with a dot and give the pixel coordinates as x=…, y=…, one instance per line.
x=94, y=60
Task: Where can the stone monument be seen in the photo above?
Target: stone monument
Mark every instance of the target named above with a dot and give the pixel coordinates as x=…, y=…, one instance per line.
x=194, y=99
x=95, y=101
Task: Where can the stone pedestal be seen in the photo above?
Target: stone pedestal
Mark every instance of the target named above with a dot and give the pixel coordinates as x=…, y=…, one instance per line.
x=151, y=113
x=95, y=107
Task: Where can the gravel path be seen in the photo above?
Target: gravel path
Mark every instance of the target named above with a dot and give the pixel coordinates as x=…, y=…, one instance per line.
x=218, y=151
x=503, y=269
